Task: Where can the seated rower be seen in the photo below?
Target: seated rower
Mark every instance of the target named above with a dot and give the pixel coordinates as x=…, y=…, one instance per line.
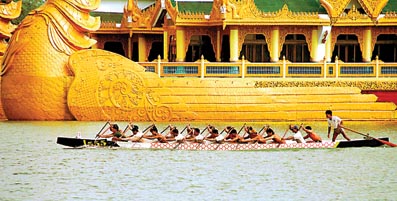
x=213, y=134
x=297, y=135
x=252, y=136
x=116, y=133
x=192, y=133
x=179, y=137
x=136, y=134
x=311, y=134
x=232, y=136
x=156, y=135
x=170, y=136
x=271, y=135
x=195, y=135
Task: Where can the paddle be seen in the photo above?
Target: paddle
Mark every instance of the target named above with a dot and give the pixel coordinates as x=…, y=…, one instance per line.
x=144, y=132
x=241, y=128
x=285, y=133
x=165, y=129
x=100, y=132
x=176, y=146
x=148, y=128
x=367, y=135
x=259, y=132
x=227, y=134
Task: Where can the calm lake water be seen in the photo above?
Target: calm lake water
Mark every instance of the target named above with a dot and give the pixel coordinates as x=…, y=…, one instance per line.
x=34, y=167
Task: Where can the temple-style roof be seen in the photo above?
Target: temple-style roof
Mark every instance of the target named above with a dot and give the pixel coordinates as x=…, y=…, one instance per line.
x=108, y=17
x=293, y=5
x=193, y=6
x=391, y=6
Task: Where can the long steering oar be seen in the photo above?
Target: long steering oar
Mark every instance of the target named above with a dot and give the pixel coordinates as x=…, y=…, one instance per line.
x=367, y=135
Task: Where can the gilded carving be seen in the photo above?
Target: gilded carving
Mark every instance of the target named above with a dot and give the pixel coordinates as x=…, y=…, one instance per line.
x=8, y=12
x=200, y=31
x=358, y=31
x=133, y=16
x=108, y=86
x=266, y=31
x=304, y=30
x=373, y=7
x=335, y=8
x=361, y=84
x=35, y=77
x=172, y=12
x=353, y=15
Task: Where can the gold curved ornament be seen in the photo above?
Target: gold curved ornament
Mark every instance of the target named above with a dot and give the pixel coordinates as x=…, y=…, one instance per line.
x=109, y=86
x=34, y=65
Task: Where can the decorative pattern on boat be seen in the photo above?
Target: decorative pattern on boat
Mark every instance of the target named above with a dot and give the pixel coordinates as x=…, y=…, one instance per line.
x=226, y=147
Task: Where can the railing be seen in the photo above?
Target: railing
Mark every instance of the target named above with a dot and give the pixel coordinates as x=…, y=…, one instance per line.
x=281, y=69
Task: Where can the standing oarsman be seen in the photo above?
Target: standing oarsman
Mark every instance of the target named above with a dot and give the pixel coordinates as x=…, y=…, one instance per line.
x=336, y=123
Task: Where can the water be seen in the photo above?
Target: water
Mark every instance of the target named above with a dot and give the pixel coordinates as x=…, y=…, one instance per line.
x=34, y=167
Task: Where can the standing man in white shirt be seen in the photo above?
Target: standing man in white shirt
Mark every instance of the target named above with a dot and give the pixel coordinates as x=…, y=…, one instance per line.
x=336, y=123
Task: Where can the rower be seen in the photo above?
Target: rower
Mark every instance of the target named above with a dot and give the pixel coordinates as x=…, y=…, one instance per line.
x=213, y=133
x=116, y=133
x=136, y=134
x=297, y=135
x=170, y=136
x=311, y=134
x=192, y=133
x=233, y=137
x=271, y=135
x=252, y=136
x=156, y=135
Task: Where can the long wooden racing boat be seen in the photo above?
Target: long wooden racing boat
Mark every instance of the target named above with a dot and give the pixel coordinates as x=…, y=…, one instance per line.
x=81, y=143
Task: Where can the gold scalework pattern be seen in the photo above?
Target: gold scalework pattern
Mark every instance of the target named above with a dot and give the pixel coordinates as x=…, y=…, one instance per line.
x=35, y=77
x=8, y=12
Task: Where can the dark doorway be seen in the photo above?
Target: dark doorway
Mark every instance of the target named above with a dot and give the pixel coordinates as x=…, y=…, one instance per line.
x=200, y=45
x=347, y=49
x=155, y=51
x=295, y=48
x=115, y=47
x=386, y=48
x=225, y=52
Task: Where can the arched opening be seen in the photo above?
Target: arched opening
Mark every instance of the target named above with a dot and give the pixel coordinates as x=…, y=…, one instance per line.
x=295, y=48
x=115, y=47
x=155, y=51
x=347, y=48
x=255, y=48
x=386, y=48
x=200, y=45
